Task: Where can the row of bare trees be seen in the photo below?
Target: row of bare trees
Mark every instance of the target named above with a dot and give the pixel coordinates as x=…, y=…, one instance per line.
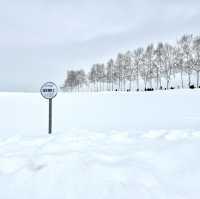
x=150, y=67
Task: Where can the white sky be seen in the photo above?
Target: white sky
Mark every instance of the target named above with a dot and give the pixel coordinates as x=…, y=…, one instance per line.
x=41, y=39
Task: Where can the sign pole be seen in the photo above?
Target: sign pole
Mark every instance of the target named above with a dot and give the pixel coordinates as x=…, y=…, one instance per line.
x=49, y=90
x=50, y=116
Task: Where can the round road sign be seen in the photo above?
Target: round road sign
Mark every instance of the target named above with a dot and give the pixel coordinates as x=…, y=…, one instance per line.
x=49, y=90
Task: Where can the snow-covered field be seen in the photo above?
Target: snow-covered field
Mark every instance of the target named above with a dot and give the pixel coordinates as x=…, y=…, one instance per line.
x=104, y=145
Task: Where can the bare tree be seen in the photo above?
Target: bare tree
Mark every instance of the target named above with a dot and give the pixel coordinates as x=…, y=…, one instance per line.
x=169, y=63
x=137, y=64
x=128, y=72
x=119, y=69
x=110, y=75
x=70, y=82
x=149, y=53
x=93, y=77
x=101, y=76
x=196, y=58
x=80, y=78
x=186, y=48
x=158, y=64
x=144, y=70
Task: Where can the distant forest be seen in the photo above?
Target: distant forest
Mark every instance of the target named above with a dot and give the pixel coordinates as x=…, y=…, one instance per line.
x=160, y=66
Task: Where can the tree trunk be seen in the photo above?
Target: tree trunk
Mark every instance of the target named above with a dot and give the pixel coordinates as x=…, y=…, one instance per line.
x=160, y=82
x=124, y=84
x=145, y=83
x=182, y=85
x=157, y=77
x=119, y=84
x=138, y=80
x=112, y=85
x=150, y=82
x=189, y=79
x=198, y=79
x=168, y=81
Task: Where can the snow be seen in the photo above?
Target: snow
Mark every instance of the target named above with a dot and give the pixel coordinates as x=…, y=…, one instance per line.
x=104, y=145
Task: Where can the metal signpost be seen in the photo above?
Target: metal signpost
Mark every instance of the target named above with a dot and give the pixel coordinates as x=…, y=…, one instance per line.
x=49, y=90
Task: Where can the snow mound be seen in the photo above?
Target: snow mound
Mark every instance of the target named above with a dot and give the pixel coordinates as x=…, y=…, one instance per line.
x=87, y=164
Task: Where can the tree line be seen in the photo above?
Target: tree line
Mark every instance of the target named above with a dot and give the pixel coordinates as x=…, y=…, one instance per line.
x=152, y=67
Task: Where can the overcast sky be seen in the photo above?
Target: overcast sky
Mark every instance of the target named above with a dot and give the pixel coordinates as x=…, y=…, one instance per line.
x=41, y=39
